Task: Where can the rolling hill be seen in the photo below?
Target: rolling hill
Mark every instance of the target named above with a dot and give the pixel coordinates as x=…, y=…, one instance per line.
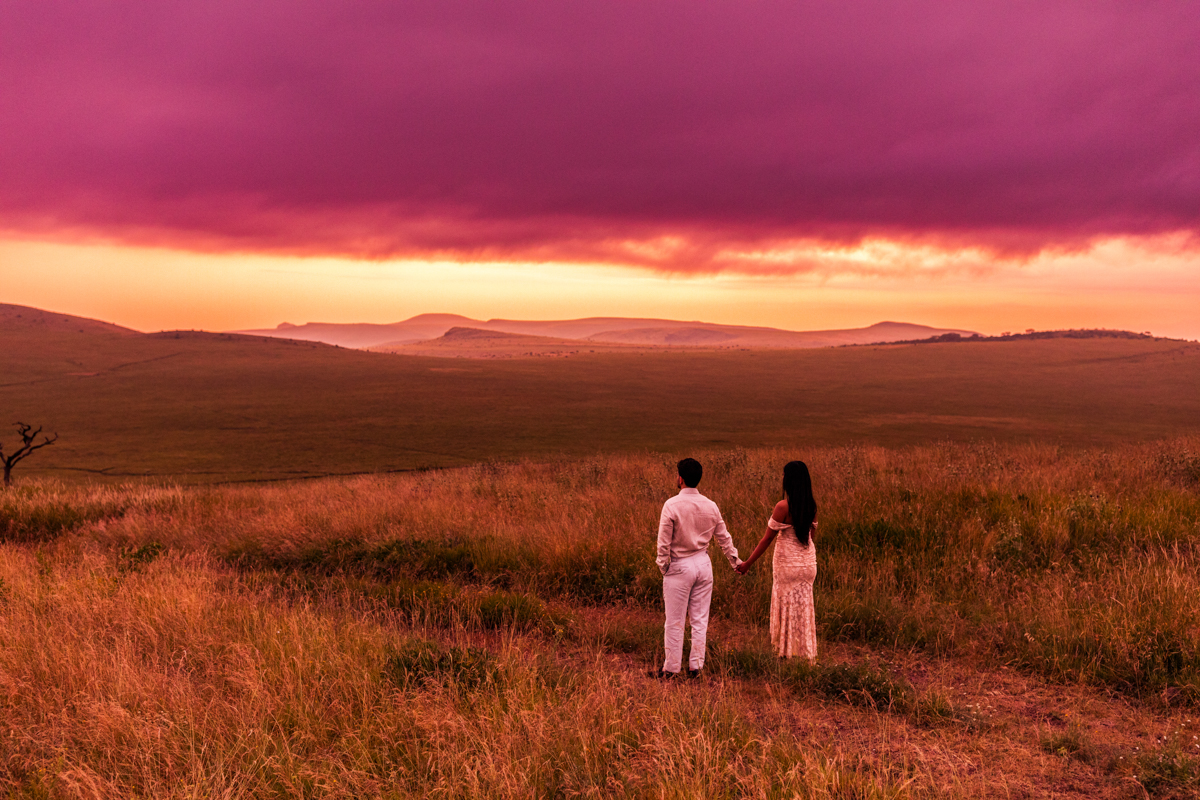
x=477, y=343
x=195, y=406
x=615, y=330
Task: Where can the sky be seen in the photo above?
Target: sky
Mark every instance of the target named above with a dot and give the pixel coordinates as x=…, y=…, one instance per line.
x=811, y=165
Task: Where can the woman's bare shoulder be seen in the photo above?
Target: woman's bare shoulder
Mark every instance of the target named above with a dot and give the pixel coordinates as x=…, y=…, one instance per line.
x=780, y=514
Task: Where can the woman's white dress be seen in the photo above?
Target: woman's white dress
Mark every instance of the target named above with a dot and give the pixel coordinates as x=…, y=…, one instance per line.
x=793, y=616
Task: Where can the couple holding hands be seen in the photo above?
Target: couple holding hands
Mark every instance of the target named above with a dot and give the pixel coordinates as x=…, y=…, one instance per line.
x=689, y=522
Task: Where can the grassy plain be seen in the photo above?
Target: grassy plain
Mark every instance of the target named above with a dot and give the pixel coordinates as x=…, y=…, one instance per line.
x=996, y=620
x=214, y=407
x=1006, y=599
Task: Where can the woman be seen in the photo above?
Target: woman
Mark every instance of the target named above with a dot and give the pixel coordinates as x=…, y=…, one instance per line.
x=794, y=521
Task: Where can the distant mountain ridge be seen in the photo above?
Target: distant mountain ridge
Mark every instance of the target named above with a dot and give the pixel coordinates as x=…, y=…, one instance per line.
x=615, y=330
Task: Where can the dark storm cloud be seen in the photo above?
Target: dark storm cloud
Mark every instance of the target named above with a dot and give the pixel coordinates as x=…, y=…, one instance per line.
x=567, y=130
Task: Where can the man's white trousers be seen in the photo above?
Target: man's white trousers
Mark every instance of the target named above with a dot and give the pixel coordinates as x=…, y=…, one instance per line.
x=687, y=594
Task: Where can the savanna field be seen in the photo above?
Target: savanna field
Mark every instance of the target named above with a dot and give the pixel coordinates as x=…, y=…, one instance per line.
x=996, y=620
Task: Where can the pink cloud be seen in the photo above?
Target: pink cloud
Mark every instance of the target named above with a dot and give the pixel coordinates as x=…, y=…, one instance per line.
x=552, y=130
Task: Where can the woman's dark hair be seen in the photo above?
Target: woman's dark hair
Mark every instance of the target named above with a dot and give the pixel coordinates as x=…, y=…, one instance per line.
x=797, y=488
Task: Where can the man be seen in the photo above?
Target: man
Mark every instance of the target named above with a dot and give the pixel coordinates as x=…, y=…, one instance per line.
x=688, y=522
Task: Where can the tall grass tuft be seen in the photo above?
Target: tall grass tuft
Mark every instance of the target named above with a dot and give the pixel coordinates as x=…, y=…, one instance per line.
x=418, y=660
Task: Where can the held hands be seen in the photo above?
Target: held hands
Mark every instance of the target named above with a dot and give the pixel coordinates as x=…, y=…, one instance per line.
x=742, y=568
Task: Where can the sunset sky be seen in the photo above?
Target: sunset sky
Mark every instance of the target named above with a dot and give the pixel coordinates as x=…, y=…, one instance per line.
x=813, y=165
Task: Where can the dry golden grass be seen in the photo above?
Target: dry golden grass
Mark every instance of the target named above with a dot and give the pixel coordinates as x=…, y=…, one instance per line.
x=996, y=621
x=177, y=680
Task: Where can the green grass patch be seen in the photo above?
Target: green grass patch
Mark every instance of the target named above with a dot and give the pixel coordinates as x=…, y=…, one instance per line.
x=27, y=520
x=854, y=684
x=1169, y=771
x=414, y=662
x=133, y=558
x=443, y=604
x=416, y=558
x=1069, y=743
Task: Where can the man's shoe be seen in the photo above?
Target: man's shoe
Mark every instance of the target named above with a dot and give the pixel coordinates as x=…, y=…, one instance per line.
x=693, y=674
x=662, y=675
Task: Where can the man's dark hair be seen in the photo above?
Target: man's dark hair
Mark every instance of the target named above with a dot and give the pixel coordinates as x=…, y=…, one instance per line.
x=691, y=472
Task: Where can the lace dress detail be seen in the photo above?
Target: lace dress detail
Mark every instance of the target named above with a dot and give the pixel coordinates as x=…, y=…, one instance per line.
x=793, y=616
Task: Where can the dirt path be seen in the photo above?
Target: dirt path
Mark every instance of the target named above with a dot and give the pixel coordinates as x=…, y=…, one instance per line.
x=1012, y=735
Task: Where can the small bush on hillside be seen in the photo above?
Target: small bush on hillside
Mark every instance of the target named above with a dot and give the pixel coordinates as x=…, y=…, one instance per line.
x=1008, y=550
x=423, y=558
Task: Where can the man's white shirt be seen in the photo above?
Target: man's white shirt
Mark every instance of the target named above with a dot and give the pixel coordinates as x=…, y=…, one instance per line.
x=688, y=523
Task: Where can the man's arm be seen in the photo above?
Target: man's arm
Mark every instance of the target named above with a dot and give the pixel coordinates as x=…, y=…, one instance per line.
x=726, y=542
x=666, y=534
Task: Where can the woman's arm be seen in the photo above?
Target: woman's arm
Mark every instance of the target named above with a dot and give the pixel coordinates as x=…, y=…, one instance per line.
x=779, y=514
x=763, y=544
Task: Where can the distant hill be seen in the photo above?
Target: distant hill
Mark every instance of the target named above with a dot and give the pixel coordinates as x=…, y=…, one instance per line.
x=470, y=342
x=364, y=334
x=21, y=319
x=614, y=330
x=1073, y=333
x=479, y=343
x=702, y=335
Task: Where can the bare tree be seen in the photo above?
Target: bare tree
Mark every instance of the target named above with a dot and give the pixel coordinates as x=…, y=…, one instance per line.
x=28, y=445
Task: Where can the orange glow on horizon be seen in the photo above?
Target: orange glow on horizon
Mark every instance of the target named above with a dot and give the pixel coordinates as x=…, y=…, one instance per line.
x=1151, y=284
